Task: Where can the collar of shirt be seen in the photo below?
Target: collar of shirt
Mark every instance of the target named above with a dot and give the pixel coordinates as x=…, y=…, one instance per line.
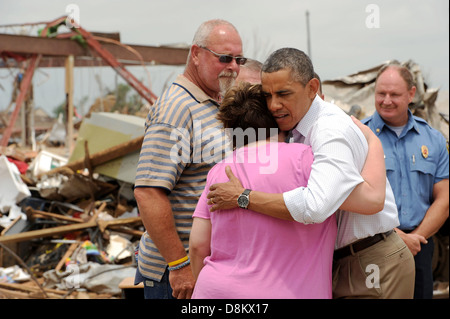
x=380, y=125
x=193, y=90
x=306, y=123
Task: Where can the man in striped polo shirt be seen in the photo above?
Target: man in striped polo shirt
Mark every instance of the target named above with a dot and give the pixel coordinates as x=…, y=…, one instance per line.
x=183, y=140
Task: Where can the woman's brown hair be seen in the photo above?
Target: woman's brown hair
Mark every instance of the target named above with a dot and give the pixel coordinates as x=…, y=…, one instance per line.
x=244, y=107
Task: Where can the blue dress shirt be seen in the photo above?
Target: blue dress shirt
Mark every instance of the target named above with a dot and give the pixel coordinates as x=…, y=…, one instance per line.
x=415, y=161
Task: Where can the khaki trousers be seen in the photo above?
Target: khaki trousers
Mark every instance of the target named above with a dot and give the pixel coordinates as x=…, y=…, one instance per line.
x=385, y=270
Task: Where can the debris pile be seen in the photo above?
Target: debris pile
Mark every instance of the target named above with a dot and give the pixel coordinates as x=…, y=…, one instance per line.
x=69, y=223
x=69, y=227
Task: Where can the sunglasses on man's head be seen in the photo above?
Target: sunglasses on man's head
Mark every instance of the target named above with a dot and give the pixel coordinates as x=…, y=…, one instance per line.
x=226, y=58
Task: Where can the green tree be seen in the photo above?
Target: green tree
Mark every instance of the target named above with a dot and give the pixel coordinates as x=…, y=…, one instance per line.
x=127, y=100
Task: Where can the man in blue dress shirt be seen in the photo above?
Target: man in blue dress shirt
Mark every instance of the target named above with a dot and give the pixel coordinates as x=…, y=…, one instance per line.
x=417, y=166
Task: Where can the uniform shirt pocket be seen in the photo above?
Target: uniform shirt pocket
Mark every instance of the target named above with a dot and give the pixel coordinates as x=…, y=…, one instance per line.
x=422, y=176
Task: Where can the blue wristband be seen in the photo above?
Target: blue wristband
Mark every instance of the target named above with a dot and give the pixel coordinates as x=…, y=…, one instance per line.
x=187, y=262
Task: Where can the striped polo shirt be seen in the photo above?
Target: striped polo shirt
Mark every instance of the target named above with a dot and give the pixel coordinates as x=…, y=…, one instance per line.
x=183, y=140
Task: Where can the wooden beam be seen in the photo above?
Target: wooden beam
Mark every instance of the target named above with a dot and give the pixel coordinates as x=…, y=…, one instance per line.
x=54, y=48
x=24, y=87
x=102, y=156
x=28, y=288
x=38, y=45
x=68, y=254
x=33, y=213
x=48, y=232
x=103, y=224
x=127, y=230
x=69, y=103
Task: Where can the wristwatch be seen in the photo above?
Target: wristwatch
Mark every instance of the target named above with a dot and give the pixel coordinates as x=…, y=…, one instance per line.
x=244, y=199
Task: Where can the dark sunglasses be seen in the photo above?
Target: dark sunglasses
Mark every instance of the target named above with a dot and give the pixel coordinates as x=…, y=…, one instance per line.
x=226, y=58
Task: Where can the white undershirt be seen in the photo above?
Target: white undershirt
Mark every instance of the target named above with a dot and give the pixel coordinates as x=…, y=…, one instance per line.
x=397, y=129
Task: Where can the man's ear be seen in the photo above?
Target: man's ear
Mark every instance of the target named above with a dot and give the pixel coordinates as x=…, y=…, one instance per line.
x=313, y=86
x=195, y=49
x=412, y=93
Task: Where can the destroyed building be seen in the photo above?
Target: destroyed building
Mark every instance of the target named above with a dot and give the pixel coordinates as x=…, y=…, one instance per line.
x=69, y=223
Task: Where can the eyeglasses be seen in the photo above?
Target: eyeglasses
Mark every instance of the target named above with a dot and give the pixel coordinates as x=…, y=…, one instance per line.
x=226, y=58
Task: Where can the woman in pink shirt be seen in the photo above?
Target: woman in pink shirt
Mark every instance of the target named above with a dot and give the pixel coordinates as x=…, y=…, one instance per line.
x=243, y=254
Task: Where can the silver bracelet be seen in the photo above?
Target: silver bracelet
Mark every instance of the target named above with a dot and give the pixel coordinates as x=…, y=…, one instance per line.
x=184, y=264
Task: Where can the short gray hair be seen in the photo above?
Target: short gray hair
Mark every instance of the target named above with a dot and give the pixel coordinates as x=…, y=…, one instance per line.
x=253, y=65
x=204, y=30
x=295, y=60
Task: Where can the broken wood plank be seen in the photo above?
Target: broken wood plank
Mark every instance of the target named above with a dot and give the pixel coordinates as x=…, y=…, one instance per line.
x=54, y=51
x=47, y=232
x=4, y=231
x=103, y=224
x=33, y=213
x=127, y=230
x=68, y=253
x=102, y=157
x=29, y=288
x=13, y=294
x=17, y=294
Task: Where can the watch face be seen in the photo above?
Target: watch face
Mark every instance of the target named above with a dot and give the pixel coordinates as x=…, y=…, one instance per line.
x=243, y=201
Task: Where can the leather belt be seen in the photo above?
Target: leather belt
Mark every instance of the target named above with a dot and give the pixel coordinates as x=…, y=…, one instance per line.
x=360, y=245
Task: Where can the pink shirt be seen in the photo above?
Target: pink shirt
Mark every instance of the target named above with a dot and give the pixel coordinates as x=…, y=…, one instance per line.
x=257, y=256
